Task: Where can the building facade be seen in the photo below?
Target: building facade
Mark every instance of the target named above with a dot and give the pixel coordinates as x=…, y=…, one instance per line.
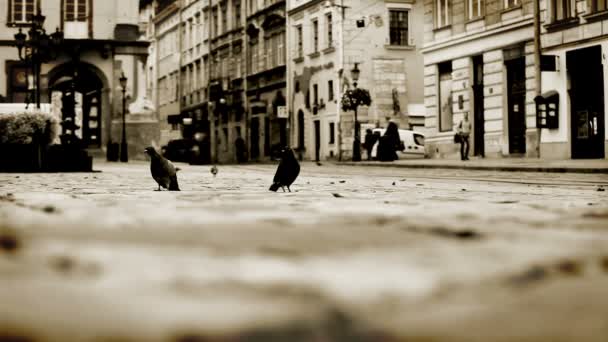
x=326, y=40
x=575, y=35
x=479, y=59
x=164, y=66
x=266, y=85
x=101, y=42
x=225, y=63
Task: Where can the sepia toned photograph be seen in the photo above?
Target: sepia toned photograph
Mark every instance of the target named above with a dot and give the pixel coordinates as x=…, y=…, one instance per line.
x=303, y=170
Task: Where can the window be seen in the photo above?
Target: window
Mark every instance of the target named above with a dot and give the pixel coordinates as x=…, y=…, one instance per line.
x=332, y=133
x=253, y=56
x=399, y=27
x=511, y=3
x=315, y=35
x=237, y=14
x=561, y=10
x=275, y=50
x=597, y=6
x=329, y=28
x=315, y=94
x=445, y=97
x=253, y=6
x=75, y=10
x=442, y=16
x=300, y=41
x=215, y=23
x=224, y=18
x=474, y=9
x=330, y=90
x=21, y=10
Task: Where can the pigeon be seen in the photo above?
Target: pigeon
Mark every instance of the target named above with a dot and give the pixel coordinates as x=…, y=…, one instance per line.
x=287, y=172
x=163, y=171
x=214, y=170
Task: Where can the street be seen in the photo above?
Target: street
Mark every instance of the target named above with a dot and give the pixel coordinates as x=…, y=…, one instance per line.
x=352, y=254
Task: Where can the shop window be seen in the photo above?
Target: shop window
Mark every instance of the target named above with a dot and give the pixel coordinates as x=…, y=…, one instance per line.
x=445, y=119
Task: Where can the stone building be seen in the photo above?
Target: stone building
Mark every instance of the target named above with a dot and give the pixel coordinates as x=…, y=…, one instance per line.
x=164, y=66
x=227, y=86
x=221, y=75
x=101, y=41
x=575, y=38
x=326, y=40
x=479, y=59
x=266, y=65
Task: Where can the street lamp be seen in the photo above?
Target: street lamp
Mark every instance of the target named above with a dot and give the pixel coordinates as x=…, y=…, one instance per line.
x=39, y=48
x=124, y=155
x=354, y=74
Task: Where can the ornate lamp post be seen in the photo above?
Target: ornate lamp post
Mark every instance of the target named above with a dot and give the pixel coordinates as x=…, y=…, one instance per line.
x=124, y=154
x=39, y=48
x=354, y=74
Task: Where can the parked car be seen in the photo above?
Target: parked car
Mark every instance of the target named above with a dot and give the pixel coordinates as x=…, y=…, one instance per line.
x=178, y=150
x=412, y=141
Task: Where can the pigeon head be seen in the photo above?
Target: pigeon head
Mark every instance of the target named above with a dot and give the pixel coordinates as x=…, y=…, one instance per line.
x=150, y=151
x=287, y=153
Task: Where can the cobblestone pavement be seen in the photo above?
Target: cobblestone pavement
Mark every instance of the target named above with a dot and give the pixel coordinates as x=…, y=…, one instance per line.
x=353, y=254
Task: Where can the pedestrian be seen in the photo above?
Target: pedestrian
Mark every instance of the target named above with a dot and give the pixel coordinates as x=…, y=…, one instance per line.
x=464, y=130
x=368, y=142
x=389, y=143
x=240, y=149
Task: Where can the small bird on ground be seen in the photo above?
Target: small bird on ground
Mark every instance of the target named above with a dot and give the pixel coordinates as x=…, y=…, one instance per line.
x=287, y=172
x=163, y=171
x=214, y=170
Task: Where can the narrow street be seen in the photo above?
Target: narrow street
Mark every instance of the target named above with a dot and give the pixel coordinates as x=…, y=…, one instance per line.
x=352, y=254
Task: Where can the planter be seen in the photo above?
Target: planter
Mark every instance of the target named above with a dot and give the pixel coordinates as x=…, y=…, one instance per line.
x=21, y=158
x=67, y=158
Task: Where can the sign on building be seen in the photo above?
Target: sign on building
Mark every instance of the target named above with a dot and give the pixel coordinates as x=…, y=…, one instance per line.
x=282, y=112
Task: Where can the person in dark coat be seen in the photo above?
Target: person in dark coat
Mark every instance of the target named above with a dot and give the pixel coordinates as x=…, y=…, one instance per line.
x=389, y=143
x=240, y=150
x=368, y=143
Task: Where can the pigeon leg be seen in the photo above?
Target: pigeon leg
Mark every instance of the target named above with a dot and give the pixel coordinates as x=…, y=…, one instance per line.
x=282, y=187
x=288, y=188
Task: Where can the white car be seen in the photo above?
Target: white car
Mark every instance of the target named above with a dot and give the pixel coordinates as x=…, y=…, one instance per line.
x=412, y=140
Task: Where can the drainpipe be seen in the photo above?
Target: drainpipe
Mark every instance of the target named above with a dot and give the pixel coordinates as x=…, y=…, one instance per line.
x=180, y=47
x=340, y=75
x=537, y=71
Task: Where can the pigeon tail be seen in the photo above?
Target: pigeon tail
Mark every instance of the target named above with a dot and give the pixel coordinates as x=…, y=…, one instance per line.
x=275, y=186
x=173, y=186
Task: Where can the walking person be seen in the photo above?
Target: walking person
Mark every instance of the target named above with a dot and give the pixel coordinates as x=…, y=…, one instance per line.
x=464, y=130
x=368, y=143
x=389, y=143
x=241, y=150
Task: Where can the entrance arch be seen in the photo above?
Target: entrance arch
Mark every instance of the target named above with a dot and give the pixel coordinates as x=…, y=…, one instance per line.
x=80, y=93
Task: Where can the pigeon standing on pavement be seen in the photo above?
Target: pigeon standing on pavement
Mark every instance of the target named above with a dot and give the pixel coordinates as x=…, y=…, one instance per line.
x=287, y=172
x=163, y=171
x=214, y=170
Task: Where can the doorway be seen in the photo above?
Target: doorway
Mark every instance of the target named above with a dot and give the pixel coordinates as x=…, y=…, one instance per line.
x=516, y=99
x=301, y=140
x=478, y=117
x=78, y=91
x=255, y=138
x=317, y=140
x=586, y=102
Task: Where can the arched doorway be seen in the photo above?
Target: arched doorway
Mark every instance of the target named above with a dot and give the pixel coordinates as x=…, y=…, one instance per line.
x=78, y=92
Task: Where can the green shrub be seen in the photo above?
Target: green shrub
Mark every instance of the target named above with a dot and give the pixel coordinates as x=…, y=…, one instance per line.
x=27, y=127
x=353, y=98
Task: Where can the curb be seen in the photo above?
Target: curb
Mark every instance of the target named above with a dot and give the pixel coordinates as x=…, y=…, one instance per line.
x=485, y=168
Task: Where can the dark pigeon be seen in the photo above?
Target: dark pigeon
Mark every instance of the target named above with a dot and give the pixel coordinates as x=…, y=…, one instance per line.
x=214, y=170
x=163, y=171
x=287, y=172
